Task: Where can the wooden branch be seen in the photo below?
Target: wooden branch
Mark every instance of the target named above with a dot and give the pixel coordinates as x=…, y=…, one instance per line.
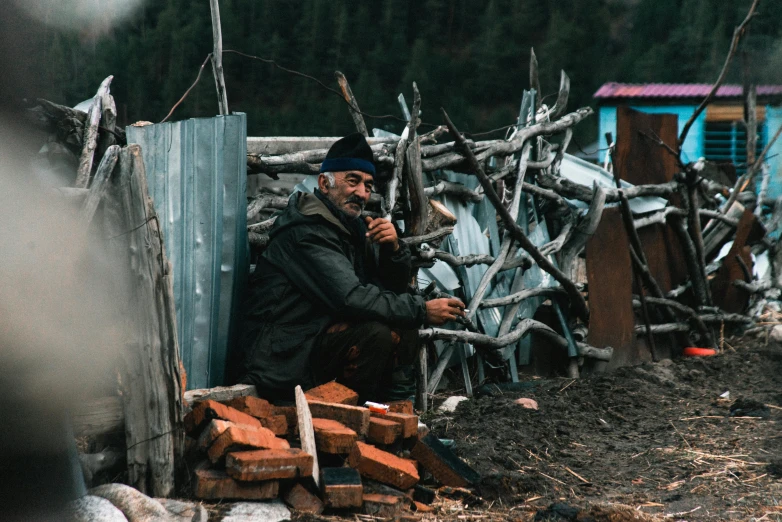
x=257, y=240
x=396, y=177
x=487, y=343
x=660, y=217
x=535, y=190
x=585, y=228
x=437, y=234
x=562, y=98
x=419, y=205
x=265, y=201
x=659, y=329
x=697, y=276
x=442, y=365
x=108, y=118
x=534, y=77
x=552, y=291
x=555, y=245
x=737, y=34
x=571, y=190
x=90, y=139
x=456, y=190
x=515, y=230
x=99, y=186
x=355, y=112
x=689, y=312
x=751, y=121
x=754, y=287
x=217, y=58
x=262, y=226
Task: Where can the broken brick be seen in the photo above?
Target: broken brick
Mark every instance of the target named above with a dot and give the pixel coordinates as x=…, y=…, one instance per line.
x=405, y=407
x=300, y=499
x=383, y=466
x=213, y=430
x=332, y=436
x=383, y=431
x=258, y=408
x=205, y=411
x=332, y=392
x=290, y=415
x=244, y=437
x=409, y=422
x=420, y=507
x=269, y=464
x=354, y=417
x=212, y=484
x=278, y=424
x=341, y=487
x=383, y=506
x=442, y=463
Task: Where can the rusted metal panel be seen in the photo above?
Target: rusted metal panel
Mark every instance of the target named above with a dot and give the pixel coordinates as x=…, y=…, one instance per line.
x=610, y=279
x=724, y=293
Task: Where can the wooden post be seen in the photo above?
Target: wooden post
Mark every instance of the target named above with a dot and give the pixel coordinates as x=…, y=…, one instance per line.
x=151, y=380
x=90, y=138
x=217, y=58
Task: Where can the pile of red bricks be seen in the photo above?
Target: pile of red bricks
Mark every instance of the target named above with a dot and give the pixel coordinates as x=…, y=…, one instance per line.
x=368, y=460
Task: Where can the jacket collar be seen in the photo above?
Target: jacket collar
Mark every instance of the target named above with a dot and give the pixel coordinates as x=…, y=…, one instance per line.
x=310, y=205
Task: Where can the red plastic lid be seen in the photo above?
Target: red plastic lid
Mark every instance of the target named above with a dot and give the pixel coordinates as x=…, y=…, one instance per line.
x=692, y=351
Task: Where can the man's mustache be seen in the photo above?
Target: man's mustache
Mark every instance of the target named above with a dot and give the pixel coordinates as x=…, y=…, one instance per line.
x=357, y=200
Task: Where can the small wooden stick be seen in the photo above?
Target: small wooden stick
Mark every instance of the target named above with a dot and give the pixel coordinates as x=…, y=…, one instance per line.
x=355, y=112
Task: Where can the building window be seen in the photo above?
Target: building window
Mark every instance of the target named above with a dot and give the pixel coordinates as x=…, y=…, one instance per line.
x=727, y=141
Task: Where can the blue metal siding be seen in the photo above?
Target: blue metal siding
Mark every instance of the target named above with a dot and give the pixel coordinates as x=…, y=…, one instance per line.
x=693, y=144
x=774, y=158
x=198, y=179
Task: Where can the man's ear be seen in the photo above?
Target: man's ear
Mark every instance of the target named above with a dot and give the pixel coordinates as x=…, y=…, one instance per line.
x=323, y=184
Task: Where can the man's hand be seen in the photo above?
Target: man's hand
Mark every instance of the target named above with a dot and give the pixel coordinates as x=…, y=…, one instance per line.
x=383, y=232
x=439, y=311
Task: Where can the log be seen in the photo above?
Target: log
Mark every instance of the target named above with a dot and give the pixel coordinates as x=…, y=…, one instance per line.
x=518, y=297
x=98, y=417
x=426, y=238
x=99, y=186
x=90, y=139
x=456, y=190
x=151, y=380
x=413, y=174
x=108, y=118
x=217, y=58
x=355, y=112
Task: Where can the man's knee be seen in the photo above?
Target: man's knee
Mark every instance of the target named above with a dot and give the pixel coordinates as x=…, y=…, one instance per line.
x=379, y=335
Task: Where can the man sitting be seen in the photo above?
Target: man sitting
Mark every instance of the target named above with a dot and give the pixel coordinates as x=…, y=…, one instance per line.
x=329, y=296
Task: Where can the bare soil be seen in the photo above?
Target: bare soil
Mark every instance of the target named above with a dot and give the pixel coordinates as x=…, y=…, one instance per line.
x=656, y=438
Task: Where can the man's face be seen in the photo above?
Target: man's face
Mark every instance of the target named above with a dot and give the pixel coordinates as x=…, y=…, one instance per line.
x=350, y=192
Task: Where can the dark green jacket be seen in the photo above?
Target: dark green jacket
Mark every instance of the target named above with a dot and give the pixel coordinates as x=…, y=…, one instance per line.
x=307, y=279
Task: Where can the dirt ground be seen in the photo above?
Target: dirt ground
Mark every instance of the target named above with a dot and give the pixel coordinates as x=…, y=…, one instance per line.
x=652, y=442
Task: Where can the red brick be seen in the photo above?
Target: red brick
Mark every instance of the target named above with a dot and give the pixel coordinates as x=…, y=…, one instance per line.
x=341, y=487
x=243, y=437
x=258, y=408
x=422, y=508
x=278, y=424
x=213, y=430
x=401, y=407
x=205, y=411
x=212, y=484
x=354, y=417
x=333, y=437
x=409, y=422
x=332, y=392
x=269, y=464
x=290, y=415
x=383, y=466
x=383, y=506
x=300, y=499
x=383, y=431
x=442, y=463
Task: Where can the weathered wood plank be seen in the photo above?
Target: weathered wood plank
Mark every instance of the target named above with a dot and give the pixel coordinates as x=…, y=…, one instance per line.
x=98, y=417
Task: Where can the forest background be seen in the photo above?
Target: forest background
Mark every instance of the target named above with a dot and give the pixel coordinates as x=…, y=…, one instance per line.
x=469, y=56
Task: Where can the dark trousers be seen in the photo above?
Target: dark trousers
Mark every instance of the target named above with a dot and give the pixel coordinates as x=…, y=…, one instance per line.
x=364, y=356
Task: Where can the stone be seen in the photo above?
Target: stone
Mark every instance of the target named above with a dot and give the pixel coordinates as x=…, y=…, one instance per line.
x=529, y=404
x=136, y=506
x=184, y=511
x=449, y=405
x=274, y=511
x=91, y=507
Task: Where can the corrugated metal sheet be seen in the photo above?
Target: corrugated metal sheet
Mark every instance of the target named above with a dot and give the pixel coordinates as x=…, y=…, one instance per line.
x=677, y=90
x=197, y=171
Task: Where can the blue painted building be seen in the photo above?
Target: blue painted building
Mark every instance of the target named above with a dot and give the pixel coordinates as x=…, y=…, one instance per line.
x=717, y=134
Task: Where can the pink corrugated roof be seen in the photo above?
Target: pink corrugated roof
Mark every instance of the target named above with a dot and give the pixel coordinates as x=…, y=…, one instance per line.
x=677, y=90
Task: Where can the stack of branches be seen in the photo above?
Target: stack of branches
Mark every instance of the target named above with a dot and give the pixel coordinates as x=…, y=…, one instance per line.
x=528, y=163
